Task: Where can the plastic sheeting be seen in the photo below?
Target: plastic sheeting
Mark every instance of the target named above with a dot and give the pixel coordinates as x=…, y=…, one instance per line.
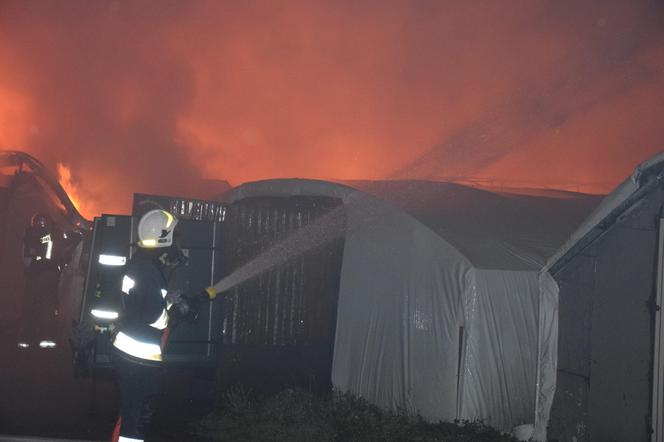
x=400, y=314
x=547, y=357
x=493, y=230
x=442, y=309
x=420, y=327
x=501, y=348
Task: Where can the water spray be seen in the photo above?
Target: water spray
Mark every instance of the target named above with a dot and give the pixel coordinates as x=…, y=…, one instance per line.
x=321, y=231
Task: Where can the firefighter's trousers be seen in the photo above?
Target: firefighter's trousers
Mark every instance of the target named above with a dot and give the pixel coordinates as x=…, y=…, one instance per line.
x=139, y=386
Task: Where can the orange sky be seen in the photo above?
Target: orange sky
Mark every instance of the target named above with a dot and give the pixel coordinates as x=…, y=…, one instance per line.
x=152, y=96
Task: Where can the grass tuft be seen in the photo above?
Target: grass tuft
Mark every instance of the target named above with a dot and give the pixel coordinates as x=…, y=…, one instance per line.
x=299, y=415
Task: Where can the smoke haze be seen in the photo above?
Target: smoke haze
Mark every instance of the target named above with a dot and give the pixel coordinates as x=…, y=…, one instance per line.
x=152, y=96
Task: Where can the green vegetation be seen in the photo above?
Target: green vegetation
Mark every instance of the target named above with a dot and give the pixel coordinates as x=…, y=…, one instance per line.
x=298, y=415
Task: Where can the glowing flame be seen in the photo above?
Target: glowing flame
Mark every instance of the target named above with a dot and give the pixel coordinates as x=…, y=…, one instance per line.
x=240, y=92
x=65, y=179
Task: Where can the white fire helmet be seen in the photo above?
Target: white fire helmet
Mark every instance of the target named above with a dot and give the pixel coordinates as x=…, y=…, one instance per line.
x=155, y=229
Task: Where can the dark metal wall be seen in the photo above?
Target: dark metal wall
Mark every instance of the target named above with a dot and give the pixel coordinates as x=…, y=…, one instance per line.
x=278, y=327
x=189, y=344
x=606, y=333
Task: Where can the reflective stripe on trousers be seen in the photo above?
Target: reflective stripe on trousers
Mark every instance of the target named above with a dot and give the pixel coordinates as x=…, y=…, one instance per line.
x=129, y=439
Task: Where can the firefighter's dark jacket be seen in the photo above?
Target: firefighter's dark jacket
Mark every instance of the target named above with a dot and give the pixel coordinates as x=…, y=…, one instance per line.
x=39, y=245
x=144, y=303
x=49, y=247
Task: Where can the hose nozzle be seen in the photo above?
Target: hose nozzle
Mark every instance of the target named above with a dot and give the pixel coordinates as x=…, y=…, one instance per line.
x=211, y=293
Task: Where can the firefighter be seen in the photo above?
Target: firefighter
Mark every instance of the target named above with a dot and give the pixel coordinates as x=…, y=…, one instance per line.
x=143, y=323
x=41, y=244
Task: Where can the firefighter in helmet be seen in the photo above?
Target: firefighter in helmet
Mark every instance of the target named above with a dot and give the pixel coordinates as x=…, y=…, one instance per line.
x=148, y=312
x=41, y=244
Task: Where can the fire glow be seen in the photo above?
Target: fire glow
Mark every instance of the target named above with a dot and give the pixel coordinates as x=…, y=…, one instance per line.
x=539, y=95
x=65, y=180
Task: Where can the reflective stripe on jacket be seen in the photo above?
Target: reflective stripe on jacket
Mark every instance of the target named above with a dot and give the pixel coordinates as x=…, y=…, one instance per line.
x=144, y=315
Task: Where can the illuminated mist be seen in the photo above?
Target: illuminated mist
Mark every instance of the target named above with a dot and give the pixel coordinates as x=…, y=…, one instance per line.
x=154, y=96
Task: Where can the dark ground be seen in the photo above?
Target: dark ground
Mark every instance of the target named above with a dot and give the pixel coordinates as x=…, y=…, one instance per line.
x=39, y=396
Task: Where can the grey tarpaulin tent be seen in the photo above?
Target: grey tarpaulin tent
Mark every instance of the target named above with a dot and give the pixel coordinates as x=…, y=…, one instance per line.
x=440, y=309
x=609, y=360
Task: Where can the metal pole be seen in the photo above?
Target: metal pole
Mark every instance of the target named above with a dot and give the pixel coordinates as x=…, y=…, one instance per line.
x=656, y=418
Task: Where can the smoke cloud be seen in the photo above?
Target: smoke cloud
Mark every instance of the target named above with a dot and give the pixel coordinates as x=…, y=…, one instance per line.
x=152, y=96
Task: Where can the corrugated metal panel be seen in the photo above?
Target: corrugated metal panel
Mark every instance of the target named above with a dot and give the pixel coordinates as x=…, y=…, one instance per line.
x=198, y=210
x=293, y=304
x=185, y=208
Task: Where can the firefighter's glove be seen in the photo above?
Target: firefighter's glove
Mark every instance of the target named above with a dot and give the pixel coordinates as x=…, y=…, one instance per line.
x=173, y=297
x=185, y=309
x=178, y=308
